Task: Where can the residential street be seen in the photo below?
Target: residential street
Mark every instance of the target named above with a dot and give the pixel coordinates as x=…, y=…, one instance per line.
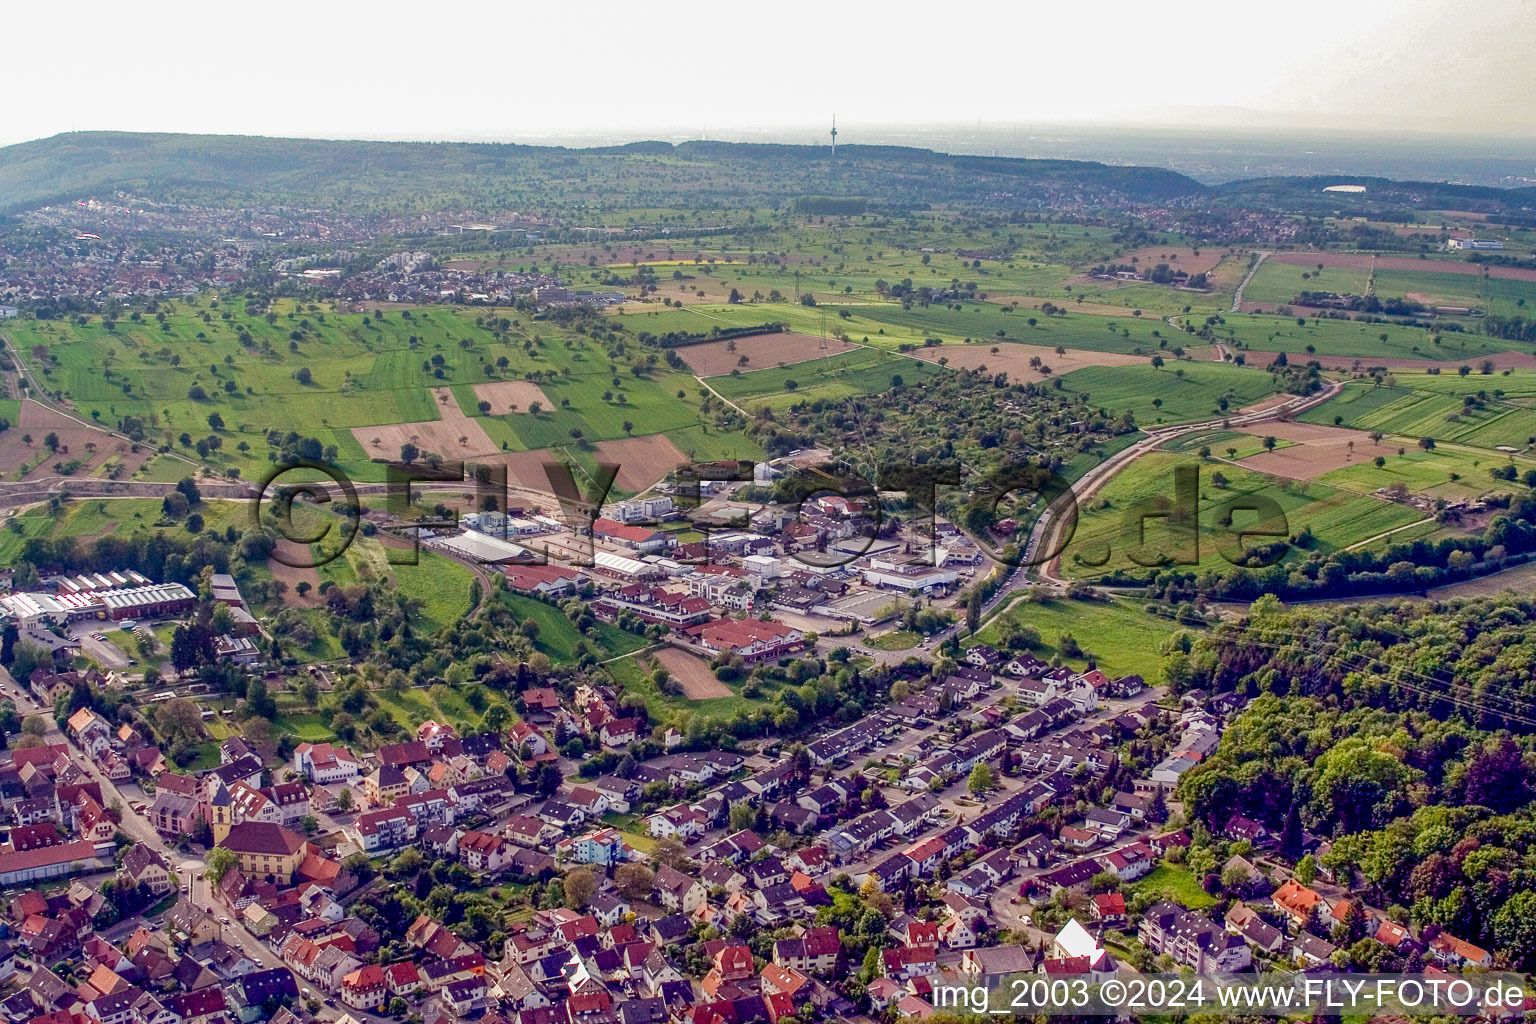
x=138, y=829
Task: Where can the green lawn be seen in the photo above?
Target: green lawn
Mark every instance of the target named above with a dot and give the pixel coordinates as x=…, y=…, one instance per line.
x=452, y=705
x=1123, y=637
x=304, y=726
x=895, y=640
x=558, y=636
x=666, y=708
x=1177, y=884
x=442, y=586
x=207, y=757
x=634, y=828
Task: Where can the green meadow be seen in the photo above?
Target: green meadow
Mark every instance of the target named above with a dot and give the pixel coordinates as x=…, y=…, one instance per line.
x=1439, y=411
x=1350, y=338
x=1227, y=444
x=888, y=325
x=558, y=637
x=1449, y=471
x=1106, y=532
x=858, y=372
x=1171, y=393
x=1122, y=637
x=322, y=373
x=1280, y=283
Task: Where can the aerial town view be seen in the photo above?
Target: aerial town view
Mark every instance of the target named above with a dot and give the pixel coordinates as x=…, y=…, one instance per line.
x=565, y=560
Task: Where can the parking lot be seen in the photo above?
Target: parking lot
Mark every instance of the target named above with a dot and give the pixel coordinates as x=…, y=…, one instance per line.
x=102, y=650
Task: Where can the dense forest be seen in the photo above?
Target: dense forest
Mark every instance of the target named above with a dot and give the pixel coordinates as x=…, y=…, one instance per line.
x=413, y=176
x=1403, y=736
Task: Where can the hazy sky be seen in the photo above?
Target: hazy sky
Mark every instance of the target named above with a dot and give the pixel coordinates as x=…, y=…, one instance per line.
x=499, y=70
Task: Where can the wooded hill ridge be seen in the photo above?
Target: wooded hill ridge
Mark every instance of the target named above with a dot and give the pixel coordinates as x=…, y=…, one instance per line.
x=375, y=176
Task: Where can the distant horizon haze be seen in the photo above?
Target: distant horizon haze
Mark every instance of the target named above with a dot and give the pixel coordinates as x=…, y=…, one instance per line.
x=1211, y=155
x=496, y=72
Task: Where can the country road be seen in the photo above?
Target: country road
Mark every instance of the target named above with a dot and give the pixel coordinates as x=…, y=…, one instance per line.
x=1237, y=296
x=1054, y=518
x=185, y=870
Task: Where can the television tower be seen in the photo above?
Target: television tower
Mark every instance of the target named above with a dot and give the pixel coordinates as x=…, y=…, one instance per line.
x=834, y=136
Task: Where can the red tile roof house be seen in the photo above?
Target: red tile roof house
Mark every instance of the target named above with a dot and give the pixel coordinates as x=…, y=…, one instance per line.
x=734, y=962
x=1390, y=933
x=1448, y=949
x=403, y=978
x=523, y=733
x=619, y=732
x=751, y=639
x=815, y=952
x=323, y=763
x=366, y=988
x=1296, y=902
x=541, y=698
x=636, y=537
x=1109, y=906
x=544, y=580
x=485, y=853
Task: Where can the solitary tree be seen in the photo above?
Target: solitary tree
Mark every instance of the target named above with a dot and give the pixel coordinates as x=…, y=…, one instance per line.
x=580, y=885
x=217, y=864
x=980, y=780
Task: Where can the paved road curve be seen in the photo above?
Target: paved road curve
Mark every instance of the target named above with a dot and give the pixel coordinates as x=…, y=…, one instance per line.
x=1043, y=537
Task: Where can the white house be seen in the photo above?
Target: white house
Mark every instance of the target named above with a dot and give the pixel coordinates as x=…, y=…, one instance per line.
x=324, y=763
